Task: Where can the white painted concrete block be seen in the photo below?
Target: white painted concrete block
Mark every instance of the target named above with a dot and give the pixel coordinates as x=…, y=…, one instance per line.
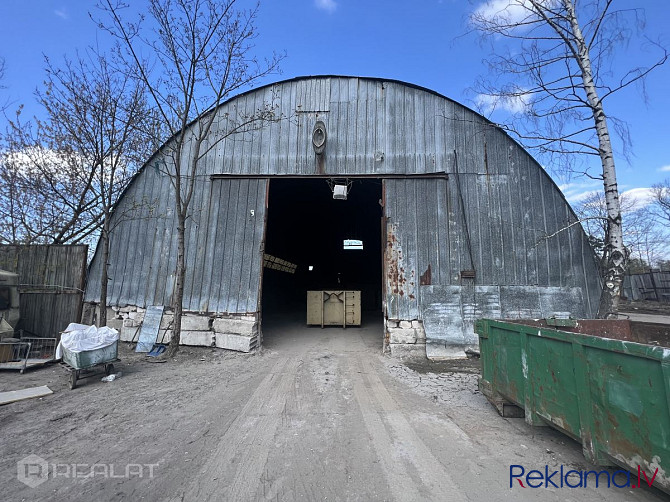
x=138, y=316
x=399, y=335
x=164, y=336
x=191, y=322
x=197, y=338
x=131, y=323
x=167, y=321
x=247, y=327
x=232, y=341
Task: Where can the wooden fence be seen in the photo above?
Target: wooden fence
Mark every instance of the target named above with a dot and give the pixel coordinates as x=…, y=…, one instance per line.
x=652, y=285
x=51, y=284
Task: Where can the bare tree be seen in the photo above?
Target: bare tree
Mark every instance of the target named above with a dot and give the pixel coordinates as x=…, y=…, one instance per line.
x=201, y=52
x=47, y=187
x=644, y=238
x=661, y=201
x=65, y=173
x=3, y=105
x=552, y=66
x=104, y=116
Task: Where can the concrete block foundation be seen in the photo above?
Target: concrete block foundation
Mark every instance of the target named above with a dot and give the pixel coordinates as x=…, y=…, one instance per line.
x=406, y=339
x=231, y=332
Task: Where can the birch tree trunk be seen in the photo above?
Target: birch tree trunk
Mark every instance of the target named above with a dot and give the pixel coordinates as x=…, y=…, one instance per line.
x=615, y=251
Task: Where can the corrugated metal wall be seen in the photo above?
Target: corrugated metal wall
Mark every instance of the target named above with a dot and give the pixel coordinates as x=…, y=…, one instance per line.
x=492, y=214
x=374, y=127
x=223, y=251
x=51, y=285
x=490, y=224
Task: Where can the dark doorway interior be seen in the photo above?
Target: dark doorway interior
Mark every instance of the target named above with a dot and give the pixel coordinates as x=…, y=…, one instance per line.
x=307, y=227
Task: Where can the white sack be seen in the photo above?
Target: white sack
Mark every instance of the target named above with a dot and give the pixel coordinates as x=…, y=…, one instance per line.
x=79, y=337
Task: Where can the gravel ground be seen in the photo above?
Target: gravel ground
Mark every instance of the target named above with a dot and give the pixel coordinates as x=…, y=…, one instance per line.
x=316, y=415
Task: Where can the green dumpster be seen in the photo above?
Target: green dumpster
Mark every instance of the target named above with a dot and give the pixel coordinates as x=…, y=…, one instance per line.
x=604, y=389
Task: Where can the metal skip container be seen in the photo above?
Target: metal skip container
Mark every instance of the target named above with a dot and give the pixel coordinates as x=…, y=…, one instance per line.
x=604, y=389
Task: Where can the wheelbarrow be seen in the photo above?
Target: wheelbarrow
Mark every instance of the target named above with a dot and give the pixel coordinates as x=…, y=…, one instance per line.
x=88, y=363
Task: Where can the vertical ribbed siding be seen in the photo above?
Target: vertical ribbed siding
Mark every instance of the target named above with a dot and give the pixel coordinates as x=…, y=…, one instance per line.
x=495, y=190
x=428, y=226
x=223, y=248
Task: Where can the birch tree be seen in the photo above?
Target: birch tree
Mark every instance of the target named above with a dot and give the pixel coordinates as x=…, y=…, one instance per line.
x=200, y=55
x=552, y=65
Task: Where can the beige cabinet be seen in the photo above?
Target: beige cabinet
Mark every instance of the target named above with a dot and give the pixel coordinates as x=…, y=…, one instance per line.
x=334, y=308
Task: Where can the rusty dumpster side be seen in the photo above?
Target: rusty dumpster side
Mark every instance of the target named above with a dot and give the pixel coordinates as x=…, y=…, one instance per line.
x=611, y=395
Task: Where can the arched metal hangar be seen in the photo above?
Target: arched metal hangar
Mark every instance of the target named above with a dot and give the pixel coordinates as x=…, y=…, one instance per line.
x=456, y=221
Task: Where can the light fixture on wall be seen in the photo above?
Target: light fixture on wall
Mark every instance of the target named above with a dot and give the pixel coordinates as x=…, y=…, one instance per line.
x=340, y=188
x=340, y=192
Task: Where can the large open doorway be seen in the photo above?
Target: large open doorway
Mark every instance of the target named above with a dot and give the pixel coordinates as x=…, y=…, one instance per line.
x=334, y=244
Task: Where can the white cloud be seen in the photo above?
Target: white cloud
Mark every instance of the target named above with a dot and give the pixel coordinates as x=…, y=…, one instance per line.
x=638, y=197
x=327, y=5
x=511, y=11
x=507, y=12
x=513, y=104
x=632, y=199
x=577, y=192
x=61, y=13
x=664, y=169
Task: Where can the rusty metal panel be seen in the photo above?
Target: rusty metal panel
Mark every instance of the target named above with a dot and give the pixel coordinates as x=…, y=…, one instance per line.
x=401, y=250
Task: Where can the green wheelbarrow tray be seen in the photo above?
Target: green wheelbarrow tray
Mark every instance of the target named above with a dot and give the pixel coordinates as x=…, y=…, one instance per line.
x=82, y=364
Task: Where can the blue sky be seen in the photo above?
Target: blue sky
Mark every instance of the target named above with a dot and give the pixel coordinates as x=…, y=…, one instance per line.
x=417, y=42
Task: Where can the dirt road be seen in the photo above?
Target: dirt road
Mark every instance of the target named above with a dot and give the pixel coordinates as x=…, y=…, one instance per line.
x=317, y=415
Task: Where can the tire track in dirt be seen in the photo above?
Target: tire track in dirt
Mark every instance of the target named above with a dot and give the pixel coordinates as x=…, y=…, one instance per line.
x=245, y=445
x=400, y=450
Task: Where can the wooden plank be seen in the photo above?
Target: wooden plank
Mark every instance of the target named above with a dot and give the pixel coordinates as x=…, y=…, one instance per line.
x=52, y=277
x=19, y=395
